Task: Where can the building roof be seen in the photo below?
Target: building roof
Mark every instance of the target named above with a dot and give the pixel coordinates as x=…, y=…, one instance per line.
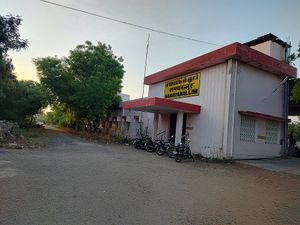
x=268, y=37
x=262, y=116
x=161, y=105
x=237, y=51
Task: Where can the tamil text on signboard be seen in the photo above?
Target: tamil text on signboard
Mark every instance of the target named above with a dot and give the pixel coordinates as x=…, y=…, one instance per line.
x=183, y=87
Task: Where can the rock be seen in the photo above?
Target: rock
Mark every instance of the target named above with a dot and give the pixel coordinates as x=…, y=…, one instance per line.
x=12, y=145
x=19, y=147
x=6, y=128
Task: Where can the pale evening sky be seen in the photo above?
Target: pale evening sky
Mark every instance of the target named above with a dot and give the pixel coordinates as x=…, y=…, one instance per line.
x=54, y=31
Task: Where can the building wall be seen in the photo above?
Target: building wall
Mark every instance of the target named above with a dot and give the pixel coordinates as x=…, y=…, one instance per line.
x=270, y=48
x=277, y=51
x=205, y=129
x=264, y=47
x=254, y=93
x=163, y=126
x=226, y=89
x=144, y=123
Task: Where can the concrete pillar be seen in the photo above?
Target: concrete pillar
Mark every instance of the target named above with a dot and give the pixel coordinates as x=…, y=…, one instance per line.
x=155, y=125
x=179, y=124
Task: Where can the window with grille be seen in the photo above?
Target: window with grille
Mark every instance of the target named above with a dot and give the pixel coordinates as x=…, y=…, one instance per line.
x=272, y=132
x=248, y=128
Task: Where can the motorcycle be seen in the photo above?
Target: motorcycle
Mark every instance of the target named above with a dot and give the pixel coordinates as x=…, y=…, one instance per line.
x=165, y=147
x=139, y=143
x=151, y=146
x=183, y=151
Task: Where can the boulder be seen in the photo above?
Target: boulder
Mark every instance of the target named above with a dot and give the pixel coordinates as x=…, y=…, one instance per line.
x=7, y=127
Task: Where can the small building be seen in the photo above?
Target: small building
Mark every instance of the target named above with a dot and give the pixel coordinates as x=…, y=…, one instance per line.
x=126, y=122
x=231, y=102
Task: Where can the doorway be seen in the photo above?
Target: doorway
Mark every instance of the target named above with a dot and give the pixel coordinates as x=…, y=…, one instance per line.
x=173, y=120
x=184, y=127
x=184, y=124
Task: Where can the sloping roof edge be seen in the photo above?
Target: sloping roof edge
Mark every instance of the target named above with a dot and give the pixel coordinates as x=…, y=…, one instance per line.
x=139, y=104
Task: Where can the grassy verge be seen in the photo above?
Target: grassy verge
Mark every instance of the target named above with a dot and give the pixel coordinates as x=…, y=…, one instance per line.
x=26, y=138
x=103, y=138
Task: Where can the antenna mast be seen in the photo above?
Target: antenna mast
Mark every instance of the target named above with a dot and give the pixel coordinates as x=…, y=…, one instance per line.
x=146, y=60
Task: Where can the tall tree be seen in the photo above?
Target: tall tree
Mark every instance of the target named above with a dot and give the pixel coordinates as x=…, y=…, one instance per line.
x=87, y=81
x=296, y=90
x=294, y=56
x=9, y=40
x=20, y=100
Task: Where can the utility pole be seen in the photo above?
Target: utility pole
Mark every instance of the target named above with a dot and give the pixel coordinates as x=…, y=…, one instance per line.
x=146, y=61
x=145, y=71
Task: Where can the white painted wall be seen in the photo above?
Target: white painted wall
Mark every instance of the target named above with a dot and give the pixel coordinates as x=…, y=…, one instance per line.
x=254, y=93
x=124, y=97
x=270, y=48
x=277, y=51
x=264, y=47
x=130, y=128
x=224, y=90
x=163, y=125
x=207, y=128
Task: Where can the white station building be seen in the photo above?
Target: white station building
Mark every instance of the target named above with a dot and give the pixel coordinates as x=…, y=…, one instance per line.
x=231, y=102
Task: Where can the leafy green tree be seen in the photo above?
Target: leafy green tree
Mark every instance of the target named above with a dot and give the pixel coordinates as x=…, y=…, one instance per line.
x=9, y=40
x=294, y=129
x=296, y=90
x=61, y=115
x=87, y=81
x=294, y=56
x=21, y=100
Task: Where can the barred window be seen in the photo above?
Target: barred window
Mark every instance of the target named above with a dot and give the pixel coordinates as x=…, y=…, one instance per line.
x=248, y=128
x=272, y=132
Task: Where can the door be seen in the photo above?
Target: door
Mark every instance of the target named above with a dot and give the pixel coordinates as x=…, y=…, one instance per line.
x=173, y=120
x=184, y=126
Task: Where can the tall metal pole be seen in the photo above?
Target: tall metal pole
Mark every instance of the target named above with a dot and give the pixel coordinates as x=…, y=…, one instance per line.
x=145, y=71
x=146, y=60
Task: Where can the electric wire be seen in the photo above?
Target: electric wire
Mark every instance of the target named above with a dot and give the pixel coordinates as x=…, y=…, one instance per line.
x=129, y=23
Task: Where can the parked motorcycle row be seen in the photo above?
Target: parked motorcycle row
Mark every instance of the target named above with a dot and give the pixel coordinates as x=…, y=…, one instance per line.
x=178, y=152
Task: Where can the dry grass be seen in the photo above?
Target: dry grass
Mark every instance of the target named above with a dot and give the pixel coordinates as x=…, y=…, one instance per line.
x=26, y=138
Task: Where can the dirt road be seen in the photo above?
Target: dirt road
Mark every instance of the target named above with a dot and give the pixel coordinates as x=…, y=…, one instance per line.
x=75, y=182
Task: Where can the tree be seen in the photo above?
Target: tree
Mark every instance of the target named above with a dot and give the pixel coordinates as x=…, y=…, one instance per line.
x=294, y=56
x=87, y=81
x=61, y=116
x=294, y=129
x=20, y=100
x=296, y=90
x=9, y=40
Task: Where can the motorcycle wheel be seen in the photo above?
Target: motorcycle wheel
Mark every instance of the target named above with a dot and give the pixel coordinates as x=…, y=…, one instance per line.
x=177, y=158
x=136, y=145
x=170, y=154
x=159, y=151
x=149, y=148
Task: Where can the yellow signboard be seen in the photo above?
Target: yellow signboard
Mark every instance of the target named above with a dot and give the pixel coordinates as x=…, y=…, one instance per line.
x=183, y=87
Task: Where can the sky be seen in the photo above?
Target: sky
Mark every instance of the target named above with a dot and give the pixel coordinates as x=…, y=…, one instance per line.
x=54, y=31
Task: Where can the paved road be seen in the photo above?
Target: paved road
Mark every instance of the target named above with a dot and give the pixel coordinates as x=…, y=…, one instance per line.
x=75, y=182
x=288, y=165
